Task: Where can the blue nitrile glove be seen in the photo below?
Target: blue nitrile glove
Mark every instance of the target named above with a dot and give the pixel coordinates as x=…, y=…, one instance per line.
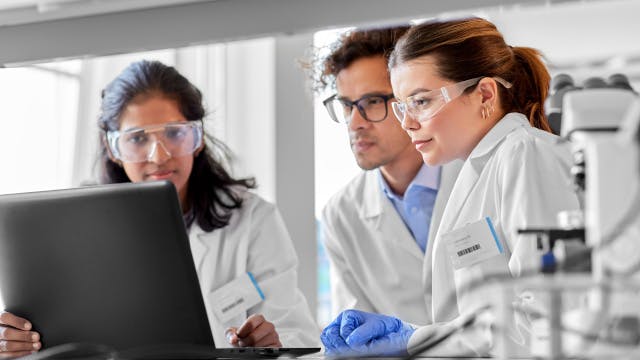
x=356, y=332
x=334, y=343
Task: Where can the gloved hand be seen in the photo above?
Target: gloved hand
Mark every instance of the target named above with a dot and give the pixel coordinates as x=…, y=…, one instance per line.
x=359, y=333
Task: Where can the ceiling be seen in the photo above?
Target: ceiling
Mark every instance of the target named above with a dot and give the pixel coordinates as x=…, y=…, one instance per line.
x=571, y=33
x=13, y=12
x=51, y=5
x=14, y=4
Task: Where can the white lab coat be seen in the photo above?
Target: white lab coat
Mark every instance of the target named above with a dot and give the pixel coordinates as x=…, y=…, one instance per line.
x=256, y=241
x=519, y=177
x=376, y=265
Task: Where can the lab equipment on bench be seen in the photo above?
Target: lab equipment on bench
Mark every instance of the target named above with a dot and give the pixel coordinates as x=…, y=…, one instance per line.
x=586, y=303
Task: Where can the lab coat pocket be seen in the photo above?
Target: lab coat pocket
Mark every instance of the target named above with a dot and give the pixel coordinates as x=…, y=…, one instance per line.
x=476, y=255
x=234, y=298
x=473, y=282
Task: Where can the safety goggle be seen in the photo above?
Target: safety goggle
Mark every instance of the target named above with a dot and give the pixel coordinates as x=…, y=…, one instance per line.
x=425, y=105
x=140, y=144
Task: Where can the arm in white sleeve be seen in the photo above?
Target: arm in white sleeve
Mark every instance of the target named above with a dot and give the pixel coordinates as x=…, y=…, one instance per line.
x=345, y=291
x=468, y=336
x=273, y=262
x=535, y=186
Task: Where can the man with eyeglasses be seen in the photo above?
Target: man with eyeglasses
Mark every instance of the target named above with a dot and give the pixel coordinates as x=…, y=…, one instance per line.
x=377, y=228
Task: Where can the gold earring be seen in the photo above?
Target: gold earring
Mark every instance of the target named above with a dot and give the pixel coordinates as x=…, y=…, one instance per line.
x=484, y=113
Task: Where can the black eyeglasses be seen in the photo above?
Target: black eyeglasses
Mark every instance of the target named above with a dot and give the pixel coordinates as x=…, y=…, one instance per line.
x=372, y=107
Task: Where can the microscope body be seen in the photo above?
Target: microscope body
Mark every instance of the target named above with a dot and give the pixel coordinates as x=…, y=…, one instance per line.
x=593, y=314
x=606, y=168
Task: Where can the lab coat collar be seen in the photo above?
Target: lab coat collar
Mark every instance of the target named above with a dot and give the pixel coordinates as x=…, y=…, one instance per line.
x=371, y=206
x=427, y=177
x=499, y=131
x=474, y=165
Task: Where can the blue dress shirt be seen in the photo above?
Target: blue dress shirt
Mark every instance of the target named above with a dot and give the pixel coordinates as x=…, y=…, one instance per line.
x=416, y=206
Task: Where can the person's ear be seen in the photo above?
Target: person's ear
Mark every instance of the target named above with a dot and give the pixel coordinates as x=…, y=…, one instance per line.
x=488, y=90
x=105, y=142
x=199, y=149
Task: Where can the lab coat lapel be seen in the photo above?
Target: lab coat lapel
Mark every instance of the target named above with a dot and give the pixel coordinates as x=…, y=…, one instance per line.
x=201, y=242
x=448, y=176
x=461, y=189
x=371, y=206
x=377, y=209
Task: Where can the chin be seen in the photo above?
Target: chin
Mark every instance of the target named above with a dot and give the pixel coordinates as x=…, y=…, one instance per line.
x=433, y=160
x=366, y=165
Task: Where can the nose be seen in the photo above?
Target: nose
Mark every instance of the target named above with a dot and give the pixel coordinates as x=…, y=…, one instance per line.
x=410, y=123
x=158, y=153
x=357, y=120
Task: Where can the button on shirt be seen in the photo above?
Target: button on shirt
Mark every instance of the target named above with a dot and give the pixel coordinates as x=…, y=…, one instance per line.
x=416, y=206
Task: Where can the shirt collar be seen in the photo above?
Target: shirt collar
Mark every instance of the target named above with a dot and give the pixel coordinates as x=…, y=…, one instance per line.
x=427, y=176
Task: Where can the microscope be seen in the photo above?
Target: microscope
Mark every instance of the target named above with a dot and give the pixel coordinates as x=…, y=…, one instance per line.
x=589, y=287
x=606, y=168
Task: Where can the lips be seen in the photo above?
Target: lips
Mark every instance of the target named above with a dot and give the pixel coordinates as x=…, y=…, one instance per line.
x=421, y=144
x=361, y=146
x=159, y=175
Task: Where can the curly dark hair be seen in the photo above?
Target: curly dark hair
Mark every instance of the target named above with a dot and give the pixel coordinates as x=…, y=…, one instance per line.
x=211, y=194
x=351, y=46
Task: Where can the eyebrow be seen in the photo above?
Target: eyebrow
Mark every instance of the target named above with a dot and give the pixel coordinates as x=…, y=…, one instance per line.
x=175, y=122
x=133, y=128
x=373, y=93
x=419, y=90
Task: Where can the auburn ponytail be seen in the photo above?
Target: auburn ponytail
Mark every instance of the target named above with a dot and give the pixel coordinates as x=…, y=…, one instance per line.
x=530, y=86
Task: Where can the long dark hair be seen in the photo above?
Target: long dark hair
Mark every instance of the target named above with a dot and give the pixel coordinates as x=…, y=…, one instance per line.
x=473, y=47
x=211, y=194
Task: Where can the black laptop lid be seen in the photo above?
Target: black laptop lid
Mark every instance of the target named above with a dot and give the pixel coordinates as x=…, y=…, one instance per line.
x=107, y=264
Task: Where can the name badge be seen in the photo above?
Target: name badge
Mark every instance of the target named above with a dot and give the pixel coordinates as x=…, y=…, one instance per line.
x=472, y=244
x=236, y=297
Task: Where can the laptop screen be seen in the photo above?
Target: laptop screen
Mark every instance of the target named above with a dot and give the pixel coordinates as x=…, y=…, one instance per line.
x=107, y=264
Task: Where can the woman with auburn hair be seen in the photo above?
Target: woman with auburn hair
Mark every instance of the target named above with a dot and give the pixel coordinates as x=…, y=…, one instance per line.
x=463, y=93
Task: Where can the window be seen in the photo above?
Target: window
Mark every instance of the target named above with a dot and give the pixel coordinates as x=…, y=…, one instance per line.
x=334, y=167
x=39, y=115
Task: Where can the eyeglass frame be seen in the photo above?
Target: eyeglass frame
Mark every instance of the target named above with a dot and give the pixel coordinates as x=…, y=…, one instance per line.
x=351, y=104
x=445, y=94
x=116, y=155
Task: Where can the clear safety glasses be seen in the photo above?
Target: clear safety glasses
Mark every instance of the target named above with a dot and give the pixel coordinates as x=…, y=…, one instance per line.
x=425, y=105
x=142, y=143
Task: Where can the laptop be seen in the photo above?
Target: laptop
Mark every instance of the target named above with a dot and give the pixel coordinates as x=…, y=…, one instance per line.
x=111, y=265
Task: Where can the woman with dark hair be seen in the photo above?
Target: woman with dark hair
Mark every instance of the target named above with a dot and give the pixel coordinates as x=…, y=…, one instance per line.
x=151, y=125
x=463, y=93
